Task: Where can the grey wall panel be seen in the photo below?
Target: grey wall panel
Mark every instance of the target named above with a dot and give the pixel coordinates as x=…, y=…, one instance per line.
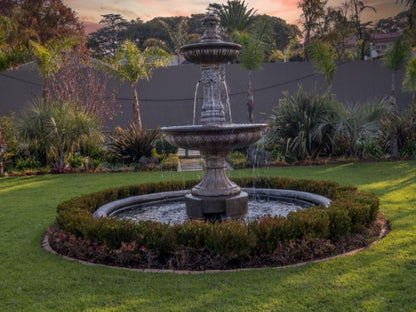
x=167, y=99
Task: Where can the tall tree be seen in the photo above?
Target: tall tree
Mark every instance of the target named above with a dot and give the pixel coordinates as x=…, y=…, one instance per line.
x=357, y=7
x=336, y=29
x=178, y=35
x=394, y=59
x=312, y=12
x=47, y=18
x=411, y=16
x=234, y=15
x=104, y=42
x=13, y=43
x=392, y=24
x=131, y=64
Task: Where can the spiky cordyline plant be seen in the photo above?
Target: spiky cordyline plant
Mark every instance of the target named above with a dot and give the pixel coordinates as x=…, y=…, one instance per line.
x=306, y=123
x=130, y=144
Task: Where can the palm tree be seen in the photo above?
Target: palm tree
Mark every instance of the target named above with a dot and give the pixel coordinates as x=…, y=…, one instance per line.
x=178, y=35
x=58, y=129
x=312, y=12
x=251, y=56
x=49, y=57
x=234, y=16
x=323, y=57
x=409, y=82
x=394, y=59
x=131, y=64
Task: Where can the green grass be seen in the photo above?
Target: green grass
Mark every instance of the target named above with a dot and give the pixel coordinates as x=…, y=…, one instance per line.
x=382, y=278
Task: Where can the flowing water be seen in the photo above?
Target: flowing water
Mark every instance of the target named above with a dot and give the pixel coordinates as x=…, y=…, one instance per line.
x=173, y=212
x=195, y=98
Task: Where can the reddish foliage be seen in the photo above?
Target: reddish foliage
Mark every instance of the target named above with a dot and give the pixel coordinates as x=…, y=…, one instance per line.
x=47, y=18
x=80, y=83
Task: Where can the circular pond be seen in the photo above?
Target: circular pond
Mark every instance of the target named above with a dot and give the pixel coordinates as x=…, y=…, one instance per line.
x=169, y=207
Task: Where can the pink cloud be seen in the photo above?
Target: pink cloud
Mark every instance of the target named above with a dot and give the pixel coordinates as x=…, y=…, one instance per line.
x=91, y=26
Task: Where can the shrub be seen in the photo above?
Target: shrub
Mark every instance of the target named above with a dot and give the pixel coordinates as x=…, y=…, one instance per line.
x=76, y=161
x=27, y=163
x=170, y=162
x=237, y=159
x=58, y=129
x=131, y=144
x=164, y=148
x=305, y=124
x=213, y=245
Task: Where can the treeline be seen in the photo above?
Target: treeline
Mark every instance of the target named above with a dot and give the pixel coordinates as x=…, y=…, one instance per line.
x=172, y=32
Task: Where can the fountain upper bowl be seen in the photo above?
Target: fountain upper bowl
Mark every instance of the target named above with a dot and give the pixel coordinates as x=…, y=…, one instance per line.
x=214, y=137
x=211, y=52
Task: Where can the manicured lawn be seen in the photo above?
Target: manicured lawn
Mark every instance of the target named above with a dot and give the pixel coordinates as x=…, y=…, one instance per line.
x=382, y=278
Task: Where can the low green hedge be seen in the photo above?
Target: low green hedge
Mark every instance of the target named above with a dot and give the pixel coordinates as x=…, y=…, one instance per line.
x=350, y=213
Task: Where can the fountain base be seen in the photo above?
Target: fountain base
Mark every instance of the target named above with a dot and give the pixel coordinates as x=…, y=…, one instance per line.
x=202, y=207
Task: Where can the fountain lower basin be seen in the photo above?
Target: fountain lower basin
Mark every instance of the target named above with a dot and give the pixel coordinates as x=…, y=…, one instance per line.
x=168, y=207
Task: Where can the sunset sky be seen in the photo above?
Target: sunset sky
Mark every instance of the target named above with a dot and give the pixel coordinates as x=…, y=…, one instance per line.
x=90, y=11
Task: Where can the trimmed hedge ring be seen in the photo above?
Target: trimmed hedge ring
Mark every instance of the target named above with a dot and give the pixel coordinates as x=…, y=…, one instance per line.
x=304, y=235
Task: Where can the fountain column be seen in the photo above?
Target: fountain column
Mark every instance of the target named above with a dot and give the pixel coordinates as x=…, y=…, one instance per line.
x=212, y=108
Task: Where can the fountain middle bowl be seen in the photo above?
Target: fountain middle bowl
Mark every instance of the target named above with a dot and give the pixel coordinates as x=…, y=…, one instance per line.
x=214, y=137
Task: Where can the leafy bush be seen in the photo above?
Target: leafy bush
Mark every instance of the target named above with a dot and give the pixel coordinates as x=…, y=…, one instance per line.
x=212, y=245
x=58, y=129
x=27, y=163
x=76, y=161
x=163, y=147
x=170, y=162
x=237, y=159
x=131, y=144
x=305, y=124
x=370, y=149
x=362, y=127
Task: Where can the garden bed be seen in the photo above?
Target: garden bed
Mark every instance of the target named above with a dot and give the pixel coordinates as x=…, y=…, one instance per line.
x=350, y=222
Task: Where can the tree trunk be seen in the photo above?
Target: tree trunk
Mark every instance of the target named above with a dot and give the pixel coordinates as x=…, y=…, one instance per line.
x=1, y=154
x=250, y=100
x=306, y=45
x=45, y=91
x=394, y=144
x=136, y=109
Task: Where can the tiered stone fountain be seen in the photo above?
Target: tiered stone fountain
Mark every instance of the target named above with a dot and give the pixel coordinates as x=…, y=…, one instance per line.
x=215, y=136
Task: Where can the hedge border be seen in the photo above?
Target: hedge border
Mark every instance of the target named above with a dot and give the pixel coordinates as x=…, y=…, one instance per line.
x=304, y=235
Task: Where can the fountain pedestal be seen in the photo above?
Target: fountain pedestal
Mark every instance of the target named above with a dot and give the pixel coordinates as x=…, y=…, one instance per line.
x=216, y=194
x=201, y=207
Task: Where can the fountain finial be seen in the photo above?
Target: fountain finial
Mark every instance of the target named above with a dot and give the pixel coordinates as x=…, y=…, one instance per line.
x=211, y=35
